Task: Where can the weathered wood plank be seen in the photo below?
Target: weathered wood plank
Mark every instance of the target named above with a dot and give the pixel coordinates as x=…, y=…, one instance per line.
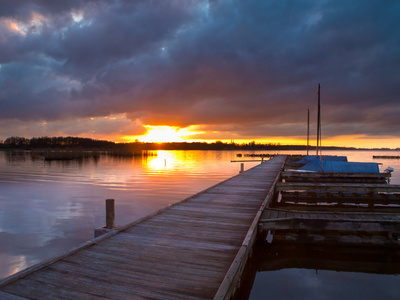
x=175, y=269
x=101, y=286
x=327, y=240
x=337, y=187
x=36, y=289
x=7, y=296
x=200, y=262
x=227, y=225
x=142, y=277
x=330, y=225
x=200, y=221
x=214, y=210
x=342, y=215
x=343, y=198
x=293, y=176
x=333, y=174
x=176, y=241
x=195, y=234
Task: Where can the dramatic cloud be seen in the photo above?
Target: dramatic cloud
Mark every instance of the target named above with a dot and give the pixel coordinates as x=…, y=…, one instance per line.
x=242, y=69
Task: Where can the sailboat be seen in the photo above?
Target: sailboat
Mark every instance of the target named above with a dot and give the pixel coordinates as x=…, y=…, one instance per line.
x=311, y=158
x=329, y=163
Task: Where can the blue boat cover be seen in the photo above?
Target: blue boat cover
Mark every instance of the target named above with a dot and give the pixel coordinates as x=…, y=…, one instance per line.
x=309, y=158
x=341, y=167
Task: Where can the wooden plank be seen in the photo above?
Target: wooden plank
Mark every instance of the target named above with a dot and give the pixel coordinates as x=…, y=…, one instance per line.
x=194, y=232
x=125, y=276
x=330, y=240
x=219, y=210
x=330, y=225
x=182, y=221
x=173, y=268
x=34, y=289
x=246, y=204
x=335, y=187
x=201, y=260
x=176, y=242
x=335, y=197
x=7, y=296
x=103, y=287
x=286, y=174
x=223, y=218
x=340, y=215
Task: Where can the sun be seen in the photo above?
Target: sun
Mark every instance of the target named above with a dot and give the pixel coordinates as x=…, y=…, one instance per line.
x=164, y=134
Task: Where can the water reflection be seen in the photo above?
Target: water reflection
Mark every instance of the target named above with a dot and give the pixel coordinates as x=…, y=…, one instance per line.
x=159, y=163
x=49, y=207
x=15, y=156
x=314, y=272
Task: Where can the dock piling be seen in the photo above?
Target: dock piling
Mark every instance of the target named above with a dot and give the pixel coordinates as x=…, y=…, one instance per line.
x=110, y=213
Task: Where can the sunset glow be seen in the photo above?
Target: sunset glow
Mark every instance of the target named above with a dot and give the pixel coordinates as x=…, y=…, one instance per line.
x=167, y=134
x=164, y=134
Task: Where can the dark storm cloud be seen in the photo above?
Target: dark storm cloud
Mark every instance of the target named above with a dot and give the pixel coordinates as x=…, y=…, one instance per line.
x=253, y=65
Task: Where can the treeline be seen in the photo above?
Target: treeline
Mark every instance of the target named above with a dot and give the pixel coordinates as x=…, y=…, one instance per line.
x=56, y=142
x=69, y=142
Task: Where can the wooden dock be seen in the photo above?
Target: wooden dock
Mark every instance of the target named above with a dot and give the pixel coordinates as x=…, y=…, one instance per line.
x=346, y=209
x=195, y=249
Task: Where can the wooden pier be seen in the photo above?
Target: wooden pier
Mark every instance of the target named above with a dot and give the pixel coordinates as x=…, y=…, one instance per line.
x=195, y=249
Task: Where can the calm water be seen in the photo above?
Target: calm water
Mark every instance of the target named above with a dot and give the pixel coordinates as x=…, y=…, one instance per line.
x=315, y=273
x=47, y=208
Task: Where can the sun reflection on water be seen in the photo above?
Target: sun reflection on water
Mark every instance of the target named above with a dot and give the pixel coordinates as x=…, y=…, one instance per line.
x=163, y=161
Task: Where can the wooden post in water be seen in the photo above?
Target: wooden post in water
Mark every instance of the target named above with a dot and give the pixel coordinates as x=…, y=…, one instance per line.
x=110, y=219
x=110, y=213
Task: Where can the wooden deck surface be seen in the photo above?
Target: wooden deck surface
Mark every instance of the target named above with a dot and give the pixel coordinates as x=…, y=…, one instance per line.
x=182, y=252
x=272, y=215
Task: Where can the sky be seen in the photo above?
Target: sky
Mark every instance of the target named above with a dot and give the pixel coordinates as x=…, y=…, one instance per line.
x=183, y=70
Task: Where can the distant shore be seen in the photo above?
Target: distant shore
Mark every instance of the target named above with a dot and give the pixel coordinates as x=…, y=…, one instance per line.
x=86, y=144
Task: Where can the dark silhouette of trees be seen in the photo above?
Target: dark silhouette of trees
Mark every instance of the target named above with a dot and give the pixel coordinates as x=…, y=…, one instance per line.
x=57, y=142
x=92, y=144
x=16, y=142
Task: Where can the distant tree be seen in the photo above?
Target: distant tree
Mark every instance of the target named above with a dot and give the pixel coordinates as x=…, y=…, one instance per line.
x=16, y=141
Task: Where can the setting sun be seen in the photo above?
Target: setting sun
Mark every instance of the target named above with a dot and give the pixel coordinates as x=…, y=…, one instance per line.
x=164, y=134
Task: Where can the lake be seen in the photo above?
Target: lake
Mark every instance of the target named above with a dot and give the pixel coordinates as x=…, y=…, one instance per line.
x=49, y=207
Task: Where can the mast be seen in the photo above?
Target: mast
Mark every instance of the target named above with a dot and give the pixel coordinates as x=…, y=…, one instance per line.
x=320, y=138
x=319, y=120
x=308, y=128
